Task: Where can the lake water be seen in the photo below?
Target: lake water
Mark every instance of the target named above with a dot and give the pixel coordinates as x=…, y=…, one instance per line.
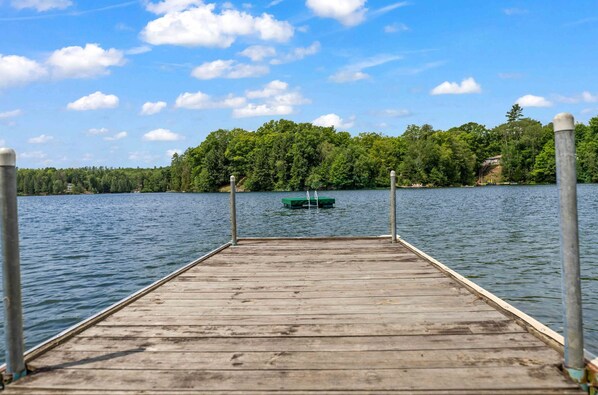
x=80, y=254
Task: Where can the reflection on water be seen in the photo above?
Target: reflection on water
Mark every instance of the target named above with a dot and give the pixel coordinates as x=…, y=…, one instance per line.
x=80, y=254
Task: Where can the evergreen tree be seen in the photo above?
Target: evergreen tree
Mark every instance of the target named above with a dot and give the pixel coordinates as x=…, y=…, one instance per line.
x=515, y=113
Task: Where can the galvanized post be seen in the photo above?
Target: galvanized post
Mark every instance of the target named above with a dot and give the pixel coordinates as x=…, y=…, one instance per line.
x=564, y=138
x=233, y=210
x=393, y=206
x=13, y=311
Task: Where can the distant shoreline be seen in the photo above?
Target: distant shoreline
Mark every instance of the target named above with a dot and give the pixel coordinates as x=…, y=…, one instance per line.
x=303, y=192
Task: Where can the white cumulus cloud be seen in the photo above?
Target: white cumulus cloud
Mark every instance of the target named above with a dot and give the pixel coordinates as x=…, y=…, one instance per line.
x=17, y=70
x=467, y=86
x=228, y=69
x=257, y=53
x=95, y=101
x=10, y=114
x=533, y=101
x=347, y=12
x=289, y=99
x=203, y=101
x=151, y=108
x=334, y=120
x=272, y=88
x=192, y=23
x=68, y=62
x=262, y=110
x=275, y=99
x=41, y=5
x=42, y=139
x=162, y=135
x=84, y=62
x=117, y=136
x=195, y=101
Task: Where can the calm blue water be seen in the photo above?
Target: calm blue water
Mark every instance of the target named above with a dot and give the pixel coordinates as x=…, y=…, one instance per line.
x=80, y=254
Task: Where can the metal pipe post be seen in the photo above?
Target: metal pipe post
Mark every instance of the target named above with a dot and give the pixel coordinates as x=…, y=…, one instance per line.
x=233, y=210
x=13, y=311
x=393, y=206
x=564, y=138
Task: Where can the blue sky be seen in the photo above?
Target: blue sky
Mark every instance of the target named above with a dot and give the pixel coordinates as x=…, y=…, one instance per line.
x=127, y=83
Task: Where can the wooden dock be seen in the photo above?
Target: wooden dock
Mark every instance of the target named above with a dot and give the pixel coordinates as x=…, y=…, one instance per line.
x=340, y=315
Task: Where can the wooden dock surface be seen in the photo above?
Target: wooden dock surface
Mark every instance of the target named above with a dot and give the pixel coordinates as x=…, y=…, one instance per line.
x=303, y=316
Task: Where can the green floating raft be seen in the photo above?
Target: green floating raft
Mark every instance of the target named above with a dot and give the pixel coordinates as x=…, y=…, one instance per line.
x=322, y=202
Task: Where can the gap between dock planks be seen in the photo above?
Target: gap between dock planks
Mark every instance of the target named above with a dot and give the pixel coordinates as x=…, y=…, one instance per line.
x=301, y=316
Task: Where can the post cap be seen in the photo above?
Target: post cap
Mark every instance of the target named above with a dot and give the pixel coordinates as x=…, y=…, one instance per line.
x=232, y=178
x=393, y=173
x=563, y=121
x=8, y=157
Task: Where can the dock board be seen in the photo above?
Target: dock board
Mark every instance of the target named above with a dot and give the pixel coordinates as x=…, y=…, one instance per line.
x=302, y=316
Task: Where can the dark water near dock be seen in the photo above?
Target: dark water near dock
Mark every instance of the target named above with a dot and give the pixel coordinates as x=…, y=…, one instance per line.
x=79, y=254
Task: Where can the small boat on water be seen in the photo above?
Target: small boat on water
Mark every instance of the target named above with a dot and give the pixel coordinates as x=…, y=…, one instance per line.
x=309, y=202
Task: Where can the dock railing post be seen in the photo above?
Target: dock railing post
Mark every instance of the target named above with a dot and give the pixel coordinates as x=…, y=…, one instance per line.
x=393, y=206
x=11, y=266
x=233, y=210
x=564, y=137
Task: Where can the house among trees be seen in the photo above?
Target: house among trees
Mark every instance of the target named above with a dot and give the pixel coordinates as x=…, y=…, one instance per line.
x=492, y=161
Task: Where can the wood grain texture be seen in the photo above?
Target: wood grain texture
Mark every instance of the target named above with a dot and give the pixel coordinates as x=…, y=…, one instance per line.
x=302, y=316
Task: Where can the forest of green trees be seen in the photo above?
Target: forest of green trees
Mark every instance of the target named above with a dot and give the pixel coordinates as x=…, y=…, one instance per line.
x=51, y=181
x=283, y=155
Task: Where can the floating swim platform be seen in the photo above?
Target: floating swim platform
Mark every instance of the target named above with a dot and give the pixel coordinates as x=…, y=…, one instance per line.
x=322, y=202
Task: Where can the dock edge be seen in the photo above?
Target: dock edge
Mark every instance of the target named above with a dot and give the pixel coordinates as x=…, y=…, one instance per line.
x=535, y=327
x=85, y=324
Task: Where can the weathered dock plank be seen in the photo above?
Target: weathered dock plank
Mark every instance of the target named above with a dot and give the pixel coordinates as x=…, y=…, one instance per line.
x=454, y=325
x=364, y=379
x=302, y=316
x=292, y=319
x=301, y=360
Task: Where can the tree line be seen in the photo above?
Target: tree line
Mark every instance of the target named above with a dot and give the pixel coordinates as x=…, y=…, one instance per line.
x=283, y=155
x=51, y=181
